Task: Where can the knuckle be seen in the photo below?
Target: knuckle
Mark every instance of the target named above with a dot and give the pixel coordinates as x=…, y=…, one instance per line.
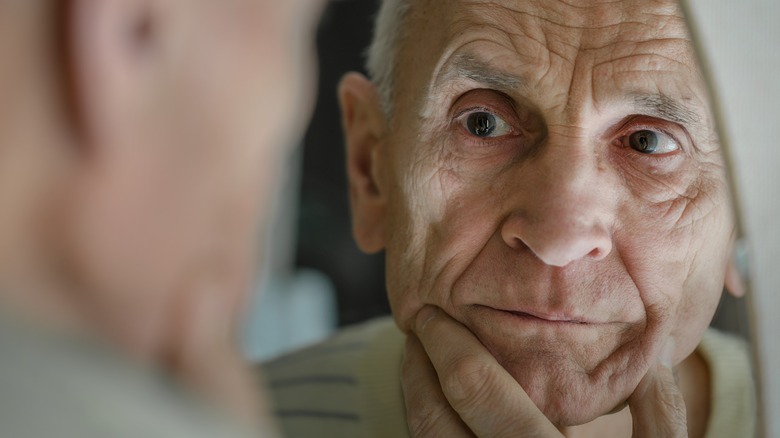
x=468, y=382
x=676, y=418
x=424, y=421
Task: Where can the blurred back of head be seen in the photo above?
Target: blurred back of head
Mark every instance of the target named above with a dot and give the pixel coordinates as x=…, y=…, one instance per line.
x=138, y=144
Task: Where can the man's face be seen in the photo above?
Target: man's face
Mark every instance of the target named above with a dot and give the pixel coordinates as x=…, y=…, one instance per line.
x=554, y=183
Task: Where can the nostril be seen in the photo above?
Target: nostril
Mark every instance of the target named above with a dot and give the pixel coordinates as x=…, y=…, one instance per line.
x=516, y=243
x=597, y=254
x=603, y=246
x=558, y=240
x=561, y=250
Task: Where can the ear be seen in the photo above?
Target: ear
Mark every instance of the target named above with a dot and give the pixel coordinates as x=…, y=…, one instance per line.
x=734, y=282
x=106, y=41
x=736, y=267
x=364, y=124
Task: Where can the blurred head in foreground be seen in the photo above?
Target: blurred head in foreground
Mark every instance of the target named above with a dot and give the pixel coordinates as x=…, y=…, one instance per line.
x=138, y=145
x=549, y=175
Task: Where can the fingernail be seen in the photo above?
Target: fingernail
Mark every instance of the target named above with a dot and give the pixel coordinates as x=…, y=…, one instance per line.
x=666, y=357
x=425, y=315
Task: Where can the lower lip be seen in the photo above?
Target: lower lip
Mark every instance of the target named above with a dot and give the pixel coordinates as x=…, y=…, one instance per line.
x=528, y=320
x=532, y=317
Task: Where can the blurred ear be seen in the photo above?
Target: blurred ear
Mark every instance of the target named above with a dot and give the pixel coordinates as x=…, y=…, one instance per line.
x=734, y=282
x=107, y=41
x=364, y=124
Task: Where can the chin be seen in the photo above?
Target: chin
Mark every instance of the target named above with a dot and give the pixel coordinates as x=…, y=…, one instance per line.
x=569, y=397
x=564, y=411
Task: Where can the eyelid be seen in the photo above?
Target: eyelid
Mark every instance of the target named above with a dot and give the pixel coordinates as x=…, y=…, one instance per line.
x=474, y=109
x=485, y=99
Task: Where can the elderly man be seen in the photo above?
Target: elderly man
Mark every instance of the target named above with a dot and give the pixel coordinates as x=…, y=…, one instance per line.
x=547, y=177
x=138, y=144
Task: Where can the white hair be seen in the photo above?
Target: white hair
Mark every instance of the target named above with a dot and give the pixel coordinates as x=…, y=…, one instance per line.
x=382, y=55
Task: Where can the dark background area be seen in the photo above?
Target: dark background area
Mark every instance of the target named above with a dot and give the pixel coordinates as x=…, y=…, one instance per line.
x=324, y=237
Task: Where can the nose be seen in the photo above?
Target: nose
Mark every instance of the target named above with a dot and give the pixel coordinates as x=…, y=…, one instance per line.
x=564, y=210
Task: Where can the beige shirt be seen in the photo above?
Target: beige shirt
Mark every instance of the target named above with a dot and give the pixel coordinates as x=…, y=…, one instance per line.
x=349, y=385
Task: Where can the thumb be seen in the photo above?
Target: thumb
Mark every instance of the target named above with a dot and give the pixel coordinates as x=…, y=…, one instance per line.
x=657, y=405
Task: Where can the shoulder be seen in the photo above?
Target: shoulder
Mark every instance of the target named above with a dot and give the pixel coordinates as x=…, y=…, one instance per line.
x=733, y=397
x=345, y=386
x=339, y=356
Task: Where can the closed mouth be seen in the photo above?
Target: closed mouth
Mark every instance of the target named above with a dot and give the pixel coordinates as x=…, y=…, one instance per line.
x=546, y=317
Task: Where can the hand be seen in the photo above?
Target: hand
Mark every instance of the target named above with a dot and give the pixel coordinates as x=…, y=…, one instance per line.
x=454, y=387
x=657, y=405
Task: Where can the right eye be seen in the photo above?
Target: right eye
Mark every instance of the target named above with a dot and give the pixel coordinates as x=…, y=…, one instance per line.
x=483, y=124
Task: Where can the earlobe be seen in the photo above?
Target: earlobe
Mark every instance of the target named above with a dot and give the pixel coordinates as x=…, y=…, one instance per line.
x=737, y=268
x=734, y=282
x=363, y=122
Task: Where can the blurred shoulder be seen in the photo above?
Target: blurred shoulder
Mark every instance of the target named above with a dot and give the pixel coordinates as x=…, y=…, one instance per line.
x=60, y=385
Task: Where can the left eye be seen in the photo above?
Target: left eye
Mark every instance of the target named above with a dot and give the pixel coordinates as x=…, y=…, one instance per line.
x=486, y=125
x=652, y=142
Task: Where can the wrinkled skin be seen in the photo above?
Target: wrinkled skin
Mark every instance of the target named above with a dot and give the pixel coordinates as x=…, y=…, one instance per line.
x=572, y=257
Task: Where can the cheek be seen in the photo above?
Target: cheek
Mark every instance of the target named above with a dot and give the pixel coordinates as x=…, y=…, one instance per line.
x=694, y=316
x=678, y=266
x=438, y=227
x=702, y=291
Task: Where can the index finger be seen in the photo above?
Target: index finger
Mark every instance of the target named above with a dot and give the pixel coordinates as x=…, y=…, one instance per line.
x=657, y=406
x=484, y=395
x=428, y=413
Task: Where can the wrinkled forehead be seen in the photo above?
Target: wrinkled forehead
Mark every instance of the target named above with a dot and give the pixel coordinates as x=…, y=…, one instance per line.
x=567, y=28
x=634, y=46
x=570, y=18
x=564, y=27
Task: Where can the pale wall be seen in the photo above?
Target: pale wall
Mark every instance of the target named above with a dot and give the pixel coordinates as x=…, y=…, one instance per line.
x=742, y=41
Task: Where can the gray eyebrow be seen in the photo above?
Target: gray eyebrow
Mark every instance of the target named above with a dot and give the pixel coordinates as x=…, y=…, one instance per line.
x=659, y=105
x=469, y=67
x=666, y=107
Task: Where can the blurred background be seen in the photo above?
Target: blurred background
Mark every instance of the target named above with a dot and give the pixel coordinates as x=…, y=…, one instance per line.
x=740, y=43
x=319, y=280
